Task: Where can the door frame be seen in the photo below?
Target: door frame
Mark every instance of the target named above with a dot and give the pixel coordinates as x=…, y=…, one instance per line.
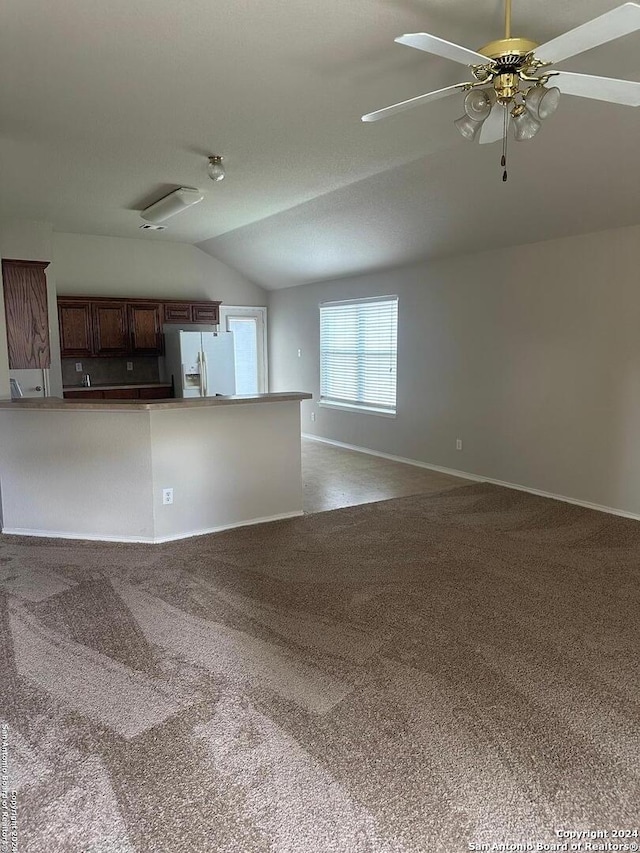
x=259, y=313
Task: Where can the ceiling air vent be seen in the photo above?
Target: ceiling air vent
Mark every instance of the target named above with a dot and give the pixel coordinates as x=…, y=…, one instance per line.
x=149, y=227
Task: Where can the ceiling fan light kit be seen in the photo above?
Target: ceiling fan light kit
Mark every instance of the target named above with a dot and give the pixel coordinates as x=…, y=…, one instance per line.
x=525, y=126
x=468, y=127
x=511, y=77
x=478, y=103
x=541, y=101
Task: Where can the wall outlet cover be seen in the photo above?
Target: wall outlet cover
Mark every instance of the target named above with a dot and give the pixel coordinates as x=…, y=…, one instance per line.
x=129, y=365
x=78, y=367
x=167, y=496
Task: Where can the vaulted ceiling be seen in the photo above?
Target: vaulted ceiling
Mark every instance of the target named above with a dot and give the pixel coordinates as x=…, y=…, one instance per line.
x=105, y=107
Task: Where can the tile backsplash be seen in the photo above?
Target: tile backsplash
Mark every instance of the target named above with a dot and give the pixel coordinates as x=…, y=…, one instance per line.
x=111, y=371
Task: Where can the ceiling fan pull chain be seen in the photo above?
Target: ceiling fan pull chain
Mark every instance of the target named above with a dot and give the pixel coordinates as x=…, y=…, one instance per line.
x=503, y=159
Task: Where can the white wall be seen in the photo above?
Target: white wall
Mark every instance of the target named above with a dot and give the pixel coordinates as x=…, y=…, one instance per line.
x=117, y=266
x=226, y=465
x=531, y=355
x=99, y=473
x=30, y=241
x=77, y=473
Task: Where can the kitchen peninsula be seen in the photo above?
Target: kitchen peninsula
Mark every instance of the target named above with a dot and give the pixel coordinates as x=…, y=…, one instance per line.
x=106, y=469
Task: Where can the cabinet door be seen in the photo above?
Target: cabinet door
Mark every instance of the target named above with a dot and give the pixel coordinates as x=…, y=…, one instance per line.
x=145, y=328
x=177, y=312
x=83, y=395
x=121, y=394
x=205, y=312
x=159, y=392
x=110, y=333
x=25, y=302
x=74, y=319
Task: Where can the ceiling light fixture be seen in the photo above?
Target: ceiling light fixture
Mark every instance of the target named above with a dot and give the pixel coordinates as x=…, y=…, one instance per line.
x=215, y=169
x=511, y=77
x=175, y=202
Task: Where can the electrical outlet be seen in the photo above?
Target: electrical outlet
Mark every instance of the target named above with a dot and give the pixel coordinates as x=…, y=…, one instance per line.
x=129, y=365
x=167, y=496
x=78, y=367
x=299, y=353
x=458, y=444
x=313, y=416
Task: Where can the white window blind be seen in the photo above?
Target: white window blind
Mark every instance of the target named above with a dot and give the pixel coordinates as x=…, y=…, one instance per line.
x=358, y=353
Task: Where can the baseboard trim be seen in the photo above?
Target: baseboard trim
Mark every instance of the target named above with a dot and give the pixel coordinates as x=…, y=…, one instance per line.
x=70, y=534
x=466, y=475
x=264, y=520
x=144, y=540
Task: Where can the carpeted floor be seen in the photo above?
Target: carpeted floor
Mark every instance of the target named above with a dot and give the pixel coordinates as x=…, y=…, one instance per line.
x=422, y=674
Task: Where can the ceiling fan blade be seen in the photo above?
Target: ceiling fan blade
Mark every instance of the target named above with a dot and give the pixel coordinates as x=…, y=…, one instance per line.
x=493, y=128
x=414, y=102
x=598, y=88
x=447, y=49
x=612, y=25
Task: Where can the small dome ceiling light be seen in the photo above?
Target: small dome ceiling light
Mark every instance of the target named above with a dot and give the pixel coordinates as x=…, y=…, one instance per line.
x=215, y=169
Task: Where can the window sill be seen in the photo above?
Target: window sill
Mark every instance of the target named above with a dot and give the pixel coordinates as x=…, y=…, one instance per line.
x=346, y=407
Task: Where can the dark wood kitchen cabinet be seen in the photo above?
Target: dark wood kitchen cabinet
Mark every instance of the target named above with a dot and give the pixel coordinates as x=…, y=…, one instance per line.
x=159, y=392
x=177, y=312
x=146, y=392
x=121, y=394
x=145, y=327
x=76, y=328
x=27, y=318
x=110, y=328
x=192, y=312
x=102, y=326
x=205, y=312
x=83, y=395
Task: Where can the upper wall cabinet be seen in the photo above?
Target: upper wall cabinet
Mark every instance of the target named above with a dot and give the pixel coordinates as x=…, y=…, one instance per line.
x=101, y=326
x=110, y=328
x=177, y=312
x=25, y=303
x=205, y=312
x=145, y=327
x=192, y=312
x=76, y=328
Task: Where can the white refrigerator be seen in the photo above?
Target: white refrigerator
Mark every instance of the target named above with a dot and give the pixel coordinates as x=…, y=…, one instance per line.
x=200, y=364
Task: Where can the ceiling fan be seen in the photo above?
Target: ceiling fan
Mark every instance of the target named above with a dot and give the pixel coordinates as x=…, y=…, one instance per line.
x=511, y=77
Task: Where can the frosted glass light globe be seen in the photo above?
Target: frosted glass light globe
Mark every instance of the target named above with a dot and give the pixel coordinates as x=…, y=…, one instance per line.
x=215, y=169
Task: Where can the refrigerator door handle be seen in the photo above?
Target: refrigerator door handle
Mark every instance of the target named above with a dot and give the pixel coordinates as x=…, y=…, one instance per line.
x=205, y=378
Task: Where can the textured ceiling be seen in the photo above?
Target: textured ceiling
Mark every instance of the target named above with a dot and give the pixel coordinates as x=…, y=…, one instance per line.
x=105, y=107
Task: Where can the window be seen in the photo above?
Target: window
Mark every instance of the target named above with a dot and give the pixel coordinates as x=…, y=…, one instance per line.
x=358, y=354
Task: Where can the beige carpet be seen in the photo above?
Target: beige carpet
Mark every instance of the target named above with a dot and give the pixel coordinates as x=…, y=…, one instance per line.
x=422, y=674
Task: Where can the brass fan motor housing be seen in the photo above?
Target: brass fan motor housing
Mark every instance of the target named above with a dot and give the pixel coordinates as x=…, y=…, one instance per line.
x=510, y=57
x=503, y=49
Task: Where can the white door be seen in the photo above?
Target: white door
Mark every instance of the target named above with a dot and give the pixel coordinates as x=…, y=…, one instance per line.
x=33, y=382
x=249, y=327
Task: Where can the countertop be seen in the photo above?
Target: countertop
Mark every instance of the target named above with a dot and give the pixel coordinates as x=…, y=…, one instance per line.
x=121, y=387
x=60, y=405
